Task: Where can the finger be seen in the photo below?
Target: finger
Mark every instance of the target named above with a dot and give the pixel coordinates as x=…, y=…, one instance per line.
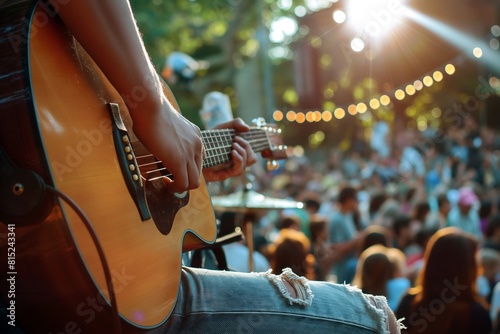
x=238, y=163
x=180, y=181
x=168, y=181
x=240, y=150
x=186, y=178
x=194, y=176
x=198, y=159
x=238, y=124
x=250, y=156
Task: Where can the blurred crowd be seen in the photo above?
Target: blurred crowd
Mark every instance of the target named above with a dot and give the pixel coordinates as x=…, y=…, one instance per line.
x=406, y=214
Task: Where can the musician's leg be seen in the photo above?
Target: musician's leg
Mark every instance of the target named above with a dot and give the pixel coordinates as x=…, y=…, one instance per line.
x=229, y=302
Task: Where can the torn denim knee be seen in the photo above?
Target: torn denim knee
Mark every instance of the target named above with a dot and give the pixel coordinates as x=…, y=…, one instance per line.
x=390, y=323
x=298, y=283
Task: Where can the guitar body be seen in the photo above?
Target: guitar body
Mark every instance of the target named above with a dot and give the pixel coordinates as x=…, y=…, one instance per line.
x=60, y=126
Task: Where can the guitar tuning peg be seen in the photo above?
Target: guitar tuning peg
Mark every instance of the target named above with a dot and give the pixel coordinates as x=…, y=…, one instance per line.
x=272, y=165
x=259, y=121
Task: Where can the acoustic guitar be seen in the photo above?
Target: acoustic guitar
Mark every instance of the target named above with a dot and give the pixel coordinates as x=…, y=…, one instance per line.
x=61, y=119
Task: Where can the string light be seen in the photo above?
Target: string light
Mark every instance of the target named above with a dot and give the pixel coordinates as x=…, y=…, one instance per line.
x=291, y=116
x=301, y=118
x=477, y=52
x=361, y=107
x=410, y=89
x=317, y=116
x=438, y=76
x=399, y=94
x=385, y=100
x=428, y=81
x=278, y=115
x=339, y=113
x=418, y=85
x=326, y=116
x=310, y=116
x=352, y=109
x=374, y=103
x=450, y=69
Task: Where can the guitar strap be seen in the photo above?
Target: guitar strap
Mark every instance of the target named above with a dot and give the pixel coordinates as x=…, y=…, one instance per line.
x=197, y=261
x=217, y=250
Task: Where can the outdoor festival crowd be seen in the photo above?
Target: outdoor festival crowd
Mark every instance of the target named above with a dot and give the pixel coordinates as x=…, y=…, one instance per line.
x=411, y=215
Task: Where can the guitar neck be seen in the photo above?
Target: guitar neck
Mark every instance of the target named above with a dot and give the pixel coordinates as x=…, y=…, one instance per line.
x=218, y=144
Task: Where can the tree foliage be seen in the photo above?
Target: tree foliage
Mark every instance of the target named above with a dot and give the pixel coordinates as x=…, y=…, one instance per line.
x=221, y=32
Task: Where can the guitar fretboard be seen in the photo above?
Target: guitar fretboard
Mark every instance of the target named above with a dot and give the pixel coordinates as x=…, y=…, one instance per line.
x=218, y=144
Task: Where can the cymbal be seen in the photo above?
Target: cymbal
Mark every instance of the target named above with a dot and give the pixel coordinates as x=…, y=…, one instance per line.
x=251, y=200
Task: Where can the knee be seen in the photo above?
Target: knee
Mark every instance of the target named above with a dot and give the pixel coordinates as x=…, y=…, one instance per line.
x=294, y=288
x=393, y=325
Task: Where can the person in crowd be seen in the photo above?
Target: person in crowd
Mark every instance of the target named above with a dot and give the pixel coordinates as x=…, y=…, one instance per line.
x=485, y=211
x=492, y=233
x=489, y=260
x=437, y=220
x=391, y=207
x=412, y=163
x=181, y=68
x=495, y=308
x=415, y=261
x=375, y=235
x=474, y=144
x=445, y=299
x=463, y=215
x=351, y=165
x=420, y=213
x=291, y=249
x=409, y=200
x=374, y=270
x=320, y=248
x=376, y=202
x=344, y=234
x=312, y=203
x=380, y=139
x=289, y=221
x=380, y=271
x=399, y=283
x=402, y=230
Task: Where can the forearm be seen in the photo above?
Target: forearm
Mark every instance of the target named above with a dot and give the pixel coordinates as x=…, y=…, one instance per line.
x=107, y=31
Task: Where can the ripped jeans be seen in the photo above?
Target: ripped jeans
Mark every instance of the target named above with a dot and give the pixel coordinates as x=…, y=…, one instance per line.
x=240, y=303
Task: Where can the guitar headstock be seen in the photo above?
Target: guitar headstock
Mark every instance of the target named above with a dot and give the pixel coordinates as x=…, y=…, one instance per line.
x=275, y=149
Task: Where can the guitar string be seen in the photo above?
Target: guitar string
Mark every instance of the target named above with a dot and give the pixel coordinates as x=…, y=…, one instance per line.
x=170, y=174
x=256, y=147
x=212, y=161
x=211, y=156
x=254, y=135
x=157, y=170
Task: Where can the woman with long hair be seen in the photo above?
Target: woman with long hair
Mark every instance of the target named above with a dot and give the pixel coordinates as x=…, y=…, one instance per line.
x=380, y=271
x=374, y=271
x=445, y=298
x=291, y=249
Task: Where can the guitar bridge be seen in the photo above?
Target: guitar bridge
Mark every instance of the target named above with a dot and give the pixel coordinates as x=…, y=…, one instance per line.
x=128, y=163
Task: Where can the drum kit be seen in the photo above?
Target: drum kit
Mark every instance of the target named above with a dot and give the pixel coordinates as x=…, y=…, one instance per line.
x=248, y=202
